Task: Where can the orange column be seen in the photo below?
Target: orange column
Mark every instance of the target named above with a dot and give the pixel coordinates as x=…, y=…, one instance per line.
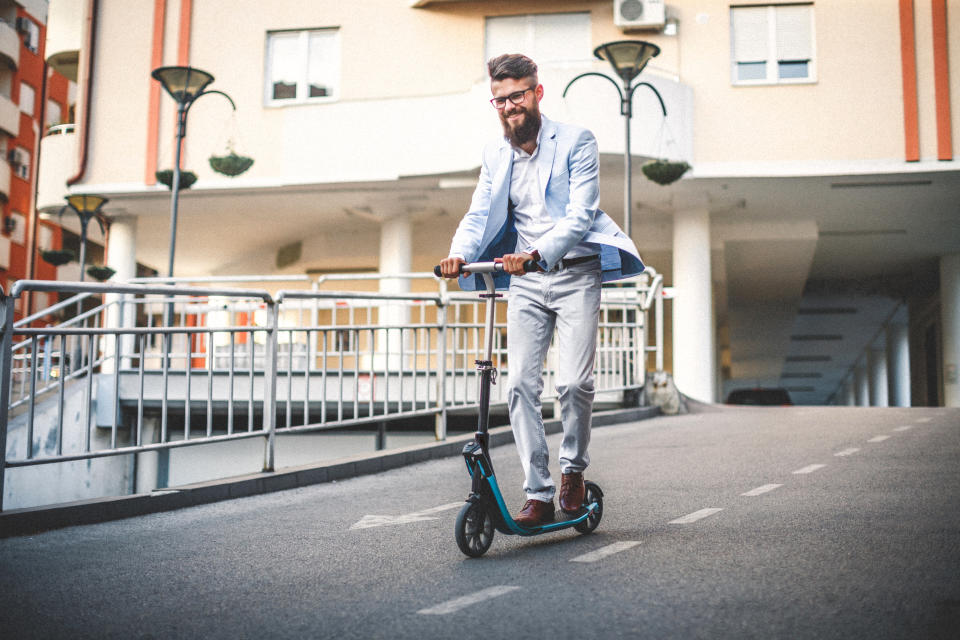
x=153, y=110
x=941, y=78
x=908, y=59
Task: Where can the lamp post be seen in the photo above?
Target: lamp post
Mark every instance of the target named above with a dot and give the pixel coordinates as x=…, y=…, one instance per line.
x=628, y=58
x=87, y=206
x=185, y=85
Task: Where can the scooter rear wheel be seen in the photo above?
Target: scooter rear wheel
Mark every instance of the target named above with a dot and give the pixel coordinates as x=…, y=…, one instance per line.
x=592, y=493
x=474, y=530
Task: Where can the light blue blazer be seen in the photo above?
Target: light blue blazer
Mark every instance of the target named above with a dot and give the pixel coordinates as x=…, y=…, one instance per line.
x=569, y=175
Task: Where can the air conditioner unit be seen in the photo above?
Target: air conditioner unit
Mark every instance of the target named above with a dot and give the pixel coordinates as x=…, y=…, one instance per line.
x=14, y=157
x=639, y=14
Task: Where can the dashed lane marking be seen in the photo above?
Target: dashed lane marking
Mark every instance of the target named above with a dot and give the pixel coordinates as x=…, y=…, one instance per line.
x=809, y=469
x=846, y=452
x=452, y=606
x=370, y=521
x=878, y=438
x=608, y=550
x=904, y=428
x=696, y=515
x=761, y=490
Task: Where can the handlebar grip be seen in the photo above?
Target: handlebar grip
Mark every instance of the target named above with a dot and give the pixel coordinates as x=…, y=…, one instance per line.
x=530, y=266
x=436, y=271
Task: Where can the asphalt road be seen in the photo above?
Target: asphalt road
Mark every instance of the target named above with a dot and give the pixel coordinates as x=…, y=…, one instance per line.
x=865, y=546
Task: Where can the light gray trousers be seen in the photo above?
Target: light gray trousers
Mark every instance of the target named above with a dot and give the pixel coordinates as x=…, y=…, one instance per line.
x=568, y=300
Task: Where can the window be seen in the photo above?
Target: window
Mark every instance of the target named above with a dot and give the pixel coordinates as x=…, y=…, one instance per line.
x=54, y=113
x=20, y=162
x=303, y=66
x=18, y=233
x=31, y=33
x=28, y=98
x=551, y=39
x=772, y=44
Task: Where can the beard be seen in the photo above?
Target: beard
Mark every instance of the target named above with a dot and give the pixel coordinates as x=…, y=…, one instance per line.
x=523, y=132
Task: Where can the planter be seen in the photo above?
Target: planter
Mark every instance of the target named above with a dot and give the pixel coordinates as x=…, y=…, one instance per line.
x=100, y=272
x=664, y=172
x=230, y=164
x=57, y=257
x=187, y=178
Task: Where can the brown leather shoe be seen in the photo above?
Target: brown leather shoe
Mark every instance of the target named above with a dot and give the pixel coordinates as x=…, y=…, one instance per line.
x=534, y=513
x=571, y=492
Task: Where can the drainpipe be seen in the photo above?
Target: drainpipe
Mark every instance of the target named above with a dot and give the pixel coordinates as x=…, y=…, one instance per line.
x=90, y=43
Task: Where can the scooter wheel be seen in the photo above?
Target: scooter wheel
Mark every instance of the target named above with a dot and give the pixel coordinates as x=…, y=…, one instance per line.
x=592, y=493
x=474, y=529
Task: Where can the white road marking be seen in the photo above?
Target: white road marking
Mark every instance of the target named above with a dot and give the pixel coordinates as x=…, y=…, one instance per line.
x=904, y=428
x=810, y=468
x=608, y=550
x=696, y=515
x=369, y=521
x=924, y=419
x=847, y=452
x=761, y=490
x=451, y=606
x=878, y=438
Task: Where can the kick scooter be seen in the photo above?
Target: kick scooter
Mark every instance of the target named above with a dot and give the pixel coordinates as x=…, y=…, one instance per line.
x=485, y=511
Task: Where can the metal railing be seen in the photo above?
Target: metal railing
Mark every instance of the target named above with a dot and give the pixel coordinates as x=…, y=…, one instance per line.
x=240, y=363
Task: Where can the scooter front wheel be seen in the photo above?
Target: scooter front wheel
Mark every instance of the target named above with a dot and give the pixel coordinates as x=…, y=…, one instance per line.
x=592, y=493
x=474, y=530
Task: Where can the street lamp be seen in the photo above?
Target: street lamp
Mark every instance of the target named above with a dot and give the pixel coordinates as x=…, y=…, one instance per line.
x=87, y=206
x=185, y=85
x=628, y=58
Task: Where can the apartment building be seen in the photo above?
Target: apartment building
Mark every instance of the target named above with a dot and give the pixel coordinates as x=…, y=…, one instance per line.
x=814, y=245
x=34, y=100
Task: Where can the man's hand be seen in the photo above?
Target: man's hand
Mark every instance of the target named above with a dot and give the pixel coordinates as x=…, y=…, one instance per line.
x=513, y=263
x=450, y=267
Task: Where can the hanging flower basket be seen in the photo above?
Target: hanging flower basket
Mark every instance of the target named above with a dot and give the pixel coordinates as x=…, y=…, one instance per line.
x=187, y=178
x=664, y=172
x=57, y=257
x=100, y=272
x=230, y=164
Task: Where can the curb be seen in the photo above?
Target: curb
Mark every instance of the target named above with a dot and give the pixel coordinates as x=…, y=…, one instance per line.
x=20, y=522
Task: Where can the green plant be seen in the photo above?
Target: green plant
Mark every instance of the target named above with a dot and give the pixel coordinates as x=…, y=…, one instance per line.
x=100, y=272
x=231, y=164
x=187, y=178
x=664, y=172
x=57, y=257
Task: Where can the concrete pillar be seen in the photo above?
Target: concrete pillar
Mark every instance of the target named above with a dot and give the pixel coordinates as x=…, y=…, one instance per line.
x=849, y=397
x=861, y=386
x=122, y=258
x=396, y=256
x=898, y=365
x=950, y=323
x=694, y=355
x=877, y=375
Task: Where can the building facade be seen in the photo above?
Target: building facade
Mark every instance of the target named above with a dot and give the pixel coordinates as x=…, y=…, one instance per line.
x=814, y=245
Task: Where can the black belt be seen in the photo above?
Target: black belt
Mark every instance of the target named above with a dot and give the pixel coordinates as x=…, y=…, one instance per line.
x=569, y=262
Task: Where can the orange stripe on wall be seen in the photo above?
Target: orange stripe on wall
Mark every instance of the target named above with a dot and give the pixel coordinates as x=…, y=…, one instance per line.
x=183, y=50
x=908, y=59
x=153, y=111
x=941, y=76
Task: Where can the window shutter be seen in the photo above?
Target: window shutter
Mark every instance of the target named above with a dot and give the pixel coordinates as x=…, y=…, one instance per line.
x=506, y=35
x=794, y=32
x=750, y=34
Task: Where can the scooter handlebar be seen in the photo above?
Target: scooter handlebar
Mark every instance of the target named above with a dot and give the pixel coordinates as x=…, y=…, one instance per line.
x=488, y=267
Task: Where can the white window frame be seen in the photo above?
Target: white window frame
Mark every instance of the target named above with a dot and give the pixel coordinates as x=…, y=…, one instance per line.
x=33, y=99
x=21, y=169
x=772, y=63
x=303, y=81
x=528, y=46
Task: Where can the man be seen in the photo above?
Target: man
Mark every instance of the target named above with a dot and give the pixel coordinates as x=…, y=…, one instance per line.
x=537, y=199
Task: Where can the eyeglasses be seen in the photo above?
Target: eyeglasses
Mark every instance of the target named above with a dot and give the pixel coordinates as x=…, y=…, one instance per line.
x=515, y=97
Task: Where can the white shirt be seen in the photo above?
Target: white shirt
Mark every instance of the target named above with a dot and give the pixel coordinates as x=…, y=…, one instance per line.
x=529, y=211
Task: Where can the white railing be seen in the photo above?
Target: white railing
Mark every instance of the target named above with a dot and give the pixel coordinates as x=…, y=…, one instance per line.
x=239, y=363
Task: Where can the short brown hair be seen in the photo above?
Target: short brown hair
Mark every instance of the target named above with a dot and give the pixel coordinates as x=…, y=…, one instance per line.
x=512, y=65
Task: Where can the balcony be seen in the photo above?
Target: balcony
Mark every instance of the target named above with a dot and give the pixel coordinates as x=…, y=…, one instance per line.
x=58, y=154
x=9, y=45
x=9, y=117
x=5, y=172
x=65, y=36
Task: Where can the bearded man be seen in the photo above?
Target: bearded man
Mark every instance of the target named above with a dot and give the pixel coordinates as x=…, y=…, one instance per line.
x=537, y=199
